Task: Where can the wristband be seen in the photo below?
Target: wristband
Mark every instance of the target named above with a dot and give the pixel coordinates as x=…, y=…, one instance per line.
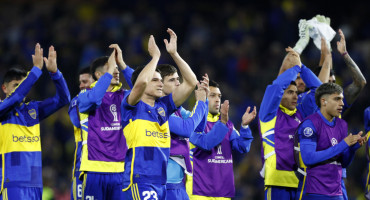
x=345, y=53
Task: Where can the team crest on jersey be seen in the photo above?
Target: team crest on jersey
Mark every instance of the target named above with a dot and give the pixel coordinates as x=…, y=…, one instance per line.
x=334, y=141
x=161, y=112
x=32, y=113
x=307, y=131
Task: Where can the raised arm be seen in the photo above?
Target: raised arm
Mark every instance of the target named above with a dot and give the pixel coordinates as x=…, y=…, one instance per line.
x=62, y=96
x=326, y=62
x=91, y=99
x=125, y=69
x=17, y=96
x=352, y=91
x=241, y=141
x=146, y=75
x=189, y=78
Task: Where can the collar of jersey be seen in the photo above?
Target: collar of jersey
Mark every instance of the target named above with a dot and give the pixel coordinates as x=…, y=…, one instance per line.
x=287, y=111
x=115, y=88
x=213, y=118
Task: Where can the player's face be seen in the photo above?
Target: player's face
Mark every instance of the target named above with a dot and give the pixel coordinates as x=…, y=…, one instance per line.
x=333, y=105
x=301, y=86
x=8, y=88
x=170, y=83
x=155, y=86
x=115, y=79
x=214, y=100
x=332, y=79
x=290, y=97
x=85, y=81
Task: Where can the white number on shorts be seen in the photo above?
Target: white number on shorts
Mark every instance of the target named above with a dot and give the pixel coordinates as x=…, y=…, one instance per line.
x=79, y=190
x=89, y=197
x=149, y=194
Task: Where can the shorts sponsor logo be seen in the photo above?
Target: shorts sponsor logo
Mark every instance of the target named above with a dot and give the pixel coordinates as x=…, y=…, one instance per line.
x=156, y=134
x=26, y=138
x=32, y=113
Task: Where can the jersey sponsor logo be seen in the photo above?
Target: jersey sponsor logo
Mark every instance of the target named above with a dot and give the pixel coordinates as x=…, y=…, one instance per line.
x=113, y=110
x=26, y=138
x=307, y=131
x=161, y=112
x=334, y=141
x=156, y=134
x=220, y=161
x=32, y=113
x=110, y=128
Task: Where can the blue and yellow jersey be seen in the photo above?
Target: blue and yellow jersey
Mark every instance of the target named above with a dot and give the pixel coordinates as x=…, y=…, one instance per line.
x=148, y=140
x=75, y=119
x=367, y=131
x=20, y=140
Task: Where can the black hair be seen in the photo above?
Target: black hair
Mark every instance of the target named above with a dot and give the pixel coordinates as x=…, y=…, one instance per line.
x=97, y=63
x=137, y=71
x=293, y=83
x=85, y=70
x=327, y=89
x=317, y=70
x=14, y=73
x=166, y=70
x=213, y=83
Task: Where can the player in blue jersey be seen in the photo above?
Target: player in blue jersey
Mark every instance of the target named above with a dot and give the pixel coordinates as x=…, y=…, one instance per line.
x=20, y=141
x=103, y=143
x=85, y=80
x=325, y=146
x=212, y=145
x=145, y=121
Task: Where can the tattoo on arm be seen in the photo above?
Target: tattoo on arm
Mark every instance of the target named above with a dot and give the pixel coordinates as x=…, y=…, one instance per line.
x=352, y=91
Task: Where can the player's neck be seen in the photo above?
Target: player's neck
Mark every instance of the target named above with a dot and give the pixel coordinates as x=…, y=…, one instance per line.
x=326, y=115
x=148, y=99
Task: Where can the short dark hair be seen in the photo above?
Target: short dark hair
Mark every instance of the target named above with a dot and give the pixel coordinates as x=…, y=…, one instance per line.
x=137, y=71
x=317, y=70
x=98, y=63
x=293, y=83
x=213, y=83
x=327, y=89
x=85, y=70
x=166, y=70
x=14, y=73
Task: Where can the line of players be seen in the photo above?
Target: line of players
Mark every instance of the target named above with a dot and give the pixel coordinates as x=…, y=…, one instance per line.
x=141, y=144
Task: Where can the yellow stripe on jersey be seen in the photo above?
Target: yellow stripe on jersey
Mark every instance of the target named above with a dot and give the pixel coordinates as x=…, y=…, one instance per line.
x=132, y=171
x=303, y=185
x=144, y=133
x=74, y=188
x=22, y=138
x=137, y=191
x=77, y=133
x=2, y=172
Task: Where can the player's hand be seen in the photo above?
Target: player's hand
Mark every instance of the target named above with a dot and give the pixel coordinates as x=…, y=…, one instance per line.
x=249, y=117
x=37, y=57
x=205, y=83
x=293, y=57
x=341, y=44
x=200, y=93
x=172, y=45
x=352, y=139
x=225, y=112
x=112, y=62
x=153, y=48
x=363, y=139
x=51, y=61
x=119, y=59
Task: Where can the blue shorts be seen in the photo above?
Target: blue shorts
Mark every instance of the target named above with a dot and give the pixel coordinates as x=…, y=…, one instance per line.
x=76, y=187
x=102, y=186
x=321, y=197
x=278, y=193
x=145, y=191
x=176, y=191
x=16, y=193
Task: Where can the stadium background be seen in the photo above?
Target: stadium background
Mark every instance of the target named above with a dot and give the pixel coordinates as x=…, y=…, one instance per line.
x=240, y=44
